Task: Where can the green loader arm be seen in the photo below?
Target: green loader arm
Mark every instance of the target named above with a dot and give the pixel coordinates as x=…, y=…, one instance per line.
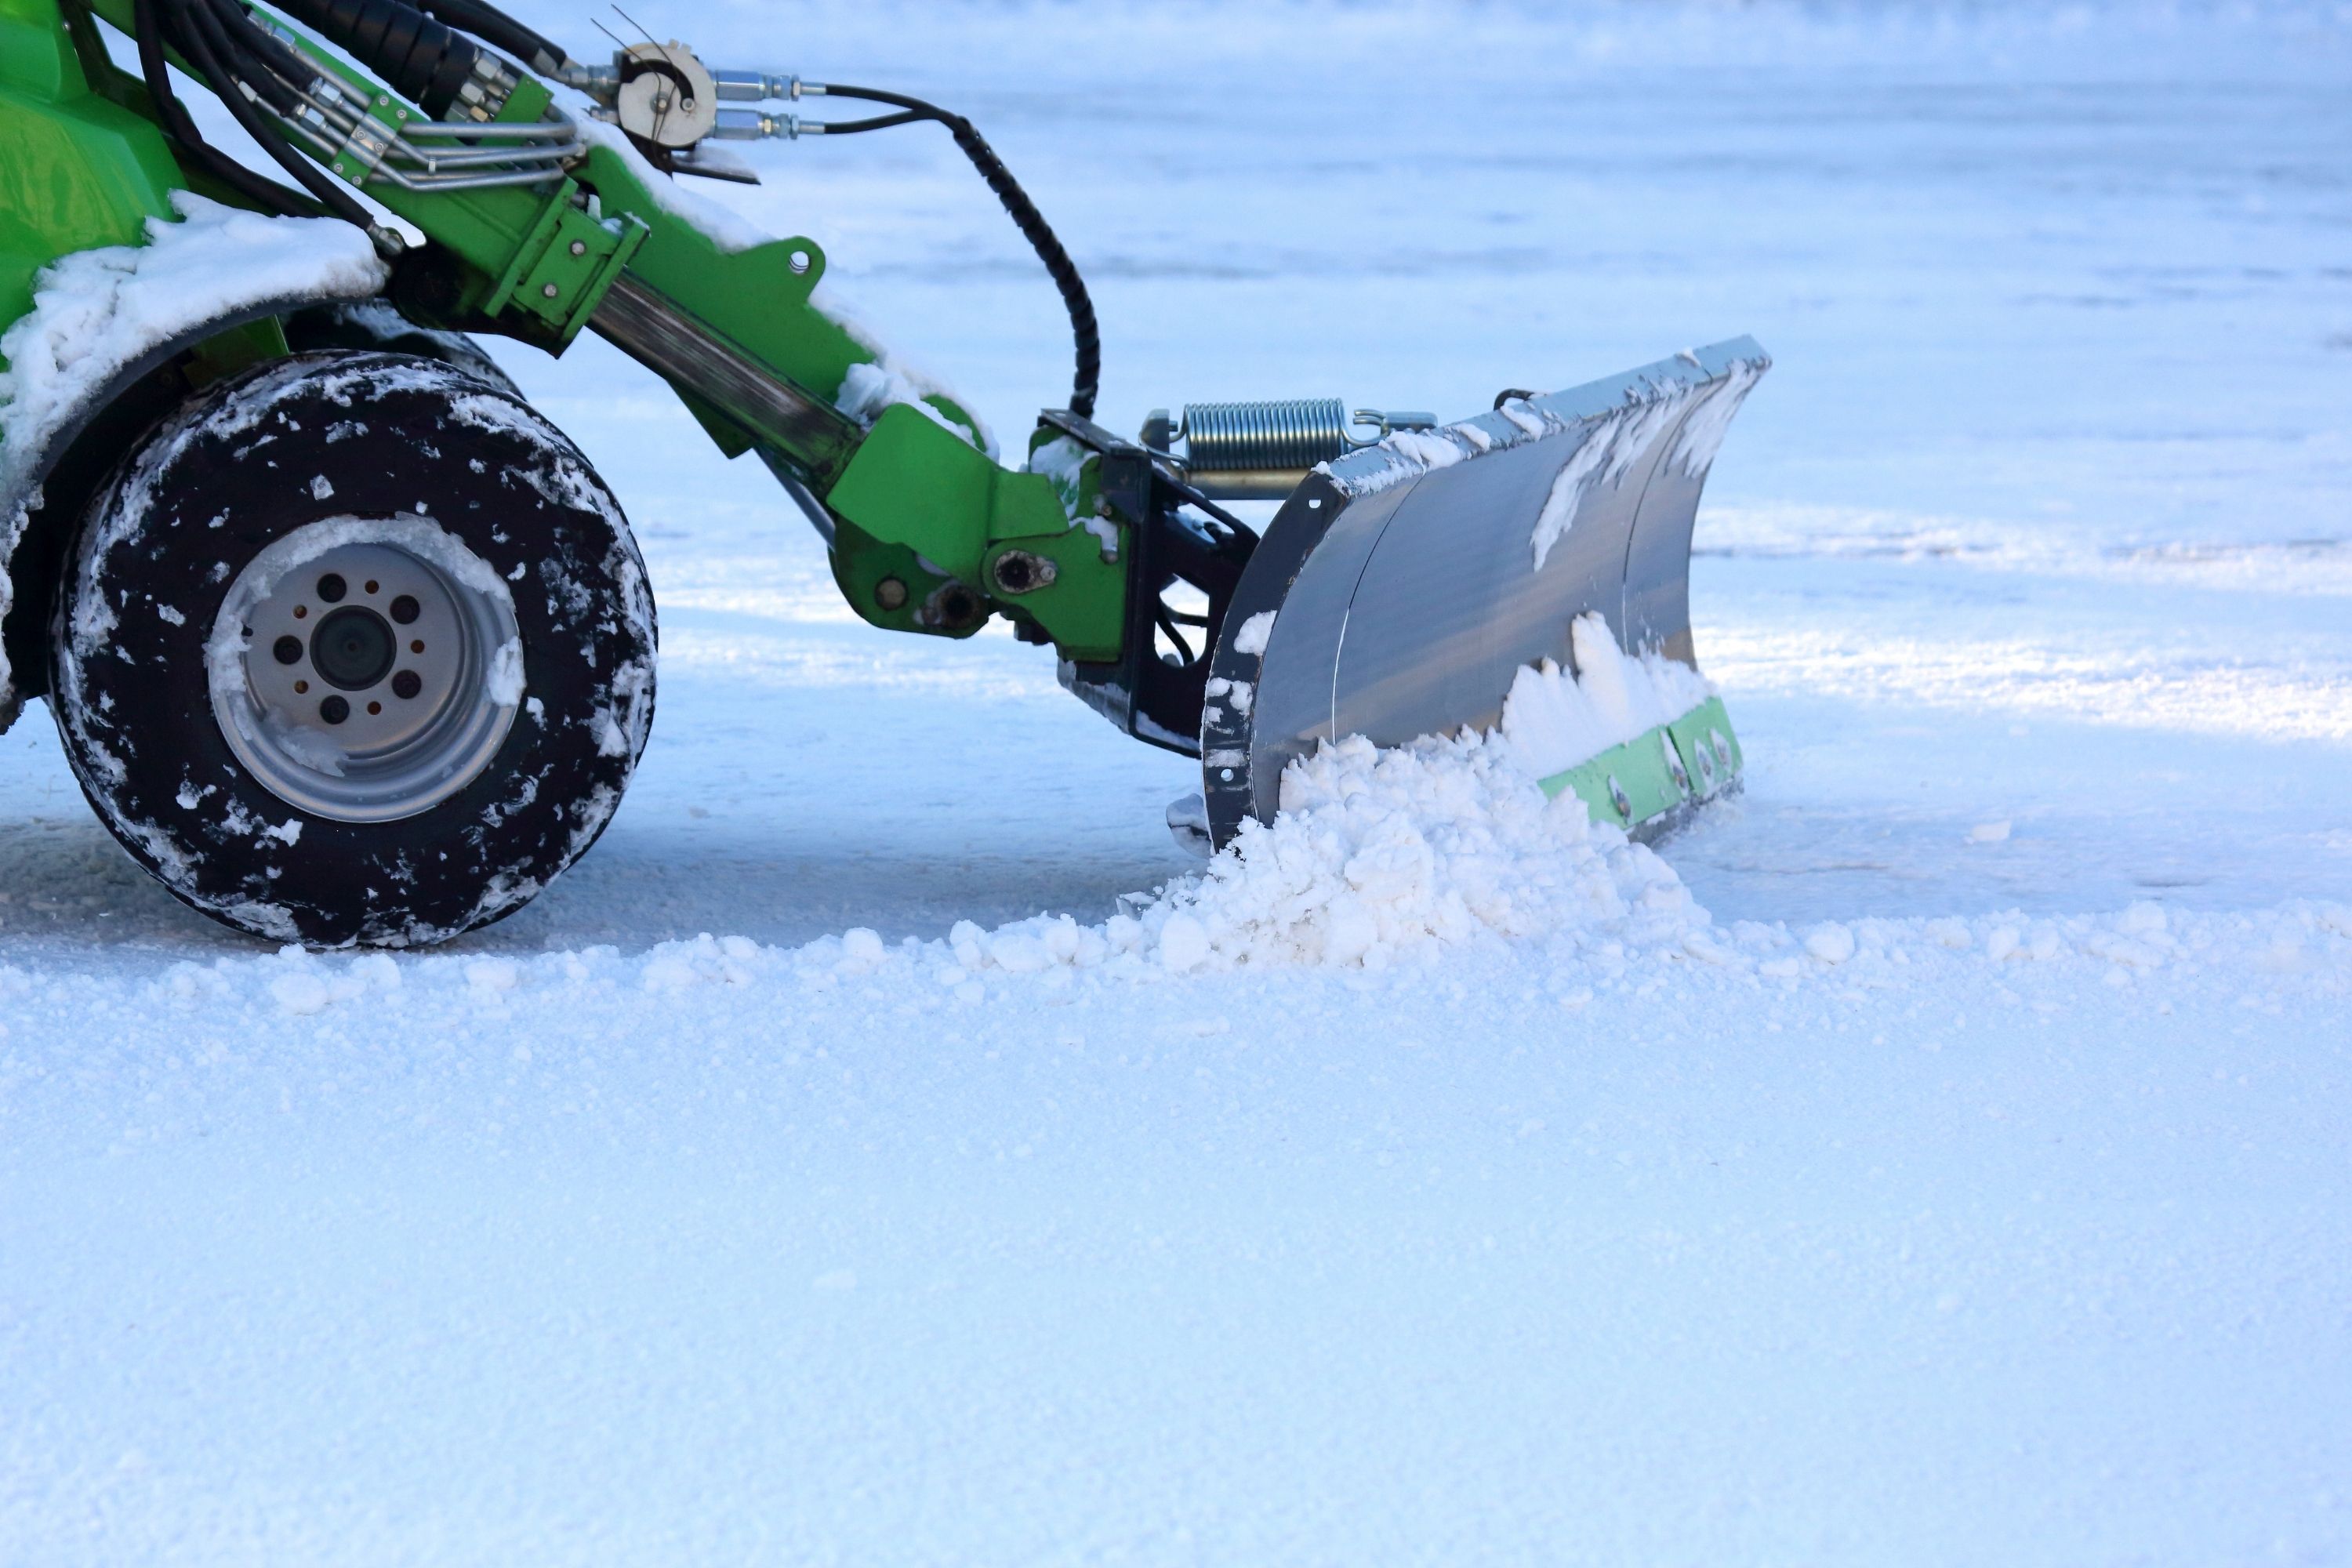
x=926, y=532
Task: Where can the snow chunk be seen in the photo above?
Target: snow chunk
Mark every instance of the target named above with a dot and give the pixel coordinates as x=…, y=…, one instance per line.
x=490, y=976
x=1556, y=720
x=1831, y=941
x=1184, y=943
x=1703, y=432
x=1405, y=455
x=503, y=685
x=1254, y=631
x=901, y=378
x=869, y=389
x=1531, y=419
x=298, y=983
x=1063, y=462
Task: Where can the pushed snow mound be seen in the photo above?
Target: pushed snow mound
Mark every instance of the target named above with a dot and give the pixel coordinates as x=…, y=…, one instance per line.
x=1378, y=852
x=1375, y=854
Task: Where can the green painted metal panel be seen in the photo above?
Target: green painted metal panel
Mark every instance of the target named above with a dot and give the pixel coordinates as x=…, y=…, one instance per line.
x=1084, y=609
x=1710, y=748
x=913, y=483
x=77, y=171
x=1644, y=771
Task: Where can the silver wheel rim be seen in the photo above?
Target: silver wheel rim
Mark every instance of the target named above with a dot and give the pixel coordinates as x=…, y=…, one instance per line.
x=365, y=670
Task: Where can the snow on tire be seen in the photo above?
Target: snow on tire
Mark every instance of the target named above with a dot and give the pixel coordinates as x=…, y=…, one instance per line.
x=354, y=648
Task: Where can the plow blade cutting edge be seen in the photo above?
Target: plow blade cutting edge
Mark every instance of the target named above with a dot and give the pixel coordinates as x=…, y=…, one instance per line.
x=1403, y=590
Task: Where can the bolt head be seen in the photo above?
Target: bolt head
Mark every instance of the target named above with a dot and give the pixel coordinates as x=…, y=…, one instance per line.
x=890, y=594
x=549, y=290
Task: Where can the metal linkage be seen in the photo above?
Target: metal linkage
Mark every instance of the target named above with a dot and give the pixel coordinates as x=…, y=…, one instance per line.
x=334, y=122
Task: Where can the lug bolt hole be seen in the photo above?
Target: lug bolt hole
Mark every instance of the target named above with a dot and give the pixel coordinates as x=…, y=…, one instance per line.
x=405, y=686
x=288, y=650
x=301, y=687
x=331, y=588
x=300, y=611
x=417, y=646
x=375, y=707
x=334, y=709
x=370, y=586
x=405, y=609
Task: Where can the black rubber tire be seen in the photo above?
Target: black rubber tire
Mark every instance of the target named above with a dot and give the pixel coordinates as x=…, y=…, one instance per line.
x=235, y=469
x=375, y=324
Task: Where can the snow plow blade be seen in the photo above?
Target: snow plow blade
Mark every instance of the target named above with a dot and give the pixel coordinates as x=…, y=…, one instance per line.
x=1403, y=590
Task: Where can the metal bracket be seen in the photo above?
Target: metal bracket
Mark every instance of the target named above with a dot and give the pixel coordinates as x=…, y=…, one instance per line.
x=566, y=264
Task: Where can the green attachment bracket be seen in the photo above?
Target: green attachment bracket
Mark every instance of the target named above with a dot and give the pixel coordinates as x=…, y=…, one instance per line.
x=565, y=264
x=895, y=588
x=1004, y=538
x=1658, y=771
x=1062, y=585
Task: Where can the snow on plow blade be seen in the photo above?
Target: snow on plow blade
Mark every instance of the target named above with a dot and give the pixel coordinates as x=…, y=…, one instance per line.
x=1401, y=590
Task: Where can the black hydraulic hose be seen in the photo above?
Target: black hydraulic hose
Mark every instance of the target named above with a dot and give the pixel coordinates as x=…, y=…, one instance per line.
x=1025, y=215
x=500, y=31
x=197, y=46
x=1167, y=624
x=258, y=60
x=424, y=61
x=146, y=32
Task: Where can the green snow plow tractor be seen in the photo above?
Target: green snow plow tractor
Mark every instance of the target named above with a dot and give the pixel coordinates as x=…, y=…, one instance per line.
x=347, y=644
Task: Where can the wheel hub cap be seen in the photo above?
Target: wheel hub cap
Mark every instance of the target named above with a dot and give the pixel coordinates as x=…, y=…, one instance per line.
x=365, y=672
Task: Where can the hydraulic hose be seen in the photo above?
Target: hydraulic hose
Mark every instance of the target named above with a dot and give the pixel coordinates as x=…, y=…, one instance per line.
x=1084, y=328
x=500, y=31
x=147, y=33
x=424, y=61
x=202, y=35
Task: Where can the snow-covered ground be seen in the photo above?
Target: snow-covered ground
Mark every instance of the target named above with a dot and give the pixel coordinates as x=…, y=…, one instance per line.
x=1939, y=1155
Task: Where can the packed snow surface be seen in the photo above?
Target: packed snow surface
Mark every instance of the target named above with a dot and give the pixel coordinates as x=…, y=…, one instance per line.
x=1936, y=1156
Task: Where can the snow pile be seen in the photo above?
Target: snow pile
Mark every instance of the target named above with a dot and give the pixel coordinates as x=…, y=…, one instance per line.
x=1556, y=720
x=1598, y=917
x=1374, y=855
